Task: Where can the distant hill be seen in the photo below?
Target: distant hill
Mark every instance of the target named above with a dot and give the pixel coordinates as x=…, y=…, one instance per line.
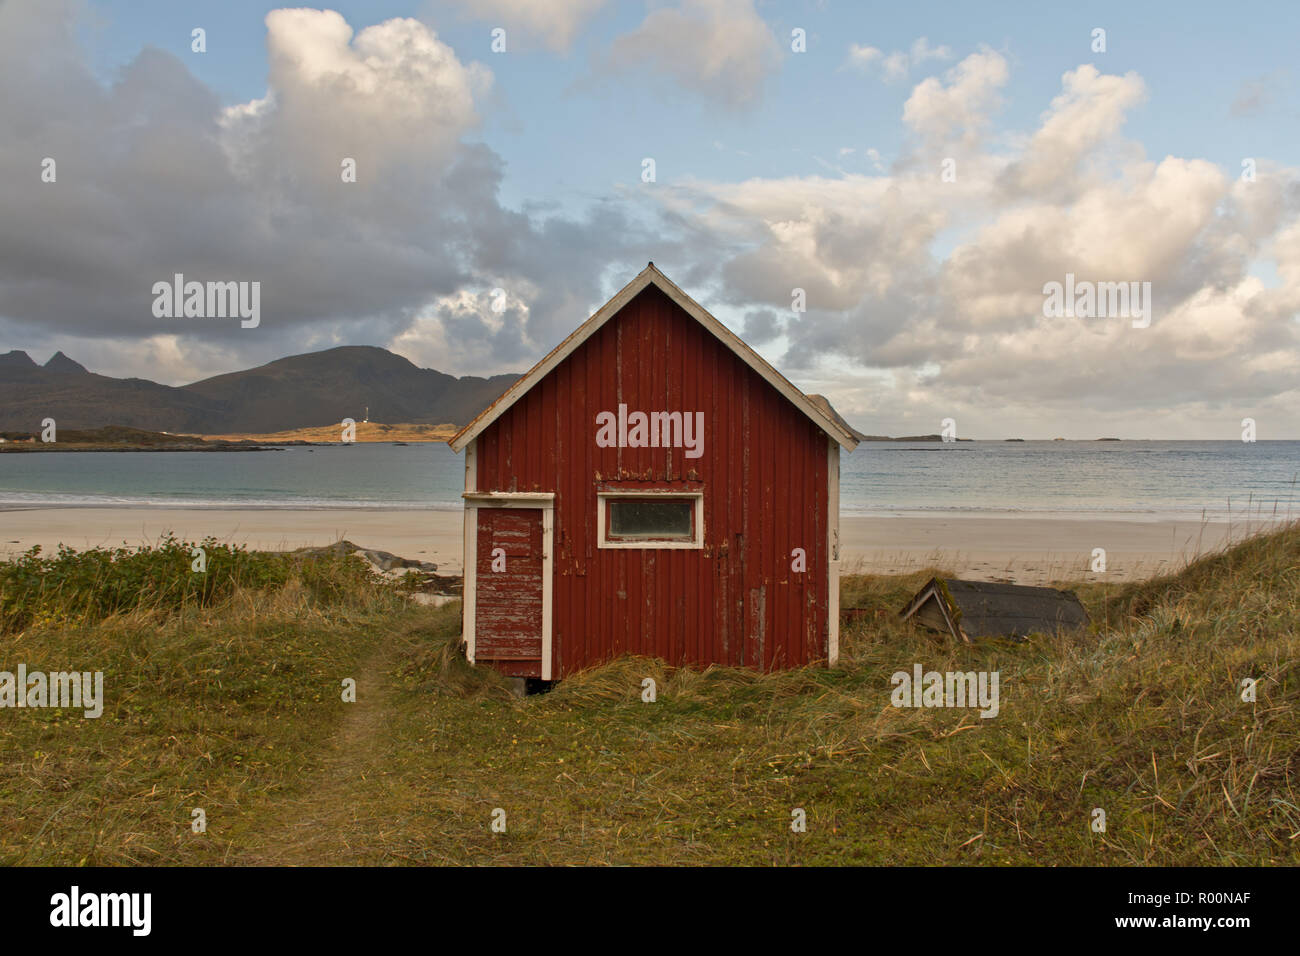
x=301, y=391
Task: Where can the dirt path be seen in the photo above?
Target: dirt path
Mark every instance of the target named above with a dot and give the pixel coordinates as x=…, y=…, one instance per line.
x=332, y=819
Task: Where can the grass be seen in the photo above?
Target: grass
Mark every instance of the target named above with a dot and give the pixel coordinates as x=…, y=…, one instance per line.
x=82, y=587
x=234, y=705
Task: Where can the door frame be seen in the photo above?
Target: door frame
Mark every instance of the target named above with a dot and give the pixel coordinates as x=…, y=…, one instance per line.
x=541, y=501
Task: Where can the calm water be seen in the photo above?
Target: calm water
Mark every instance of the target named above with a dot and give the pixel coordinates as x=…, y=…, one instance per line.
x=1133, y=479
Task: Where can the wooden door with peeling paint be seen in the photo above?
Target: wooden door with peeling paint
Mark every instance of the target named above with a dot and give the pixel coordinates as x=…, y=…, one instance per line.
x=508, y=609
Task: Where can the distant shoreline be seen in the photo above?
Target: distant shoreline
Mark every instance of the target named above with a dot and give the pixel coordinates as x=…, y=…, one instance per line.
x=51, y=448
x=118, y=438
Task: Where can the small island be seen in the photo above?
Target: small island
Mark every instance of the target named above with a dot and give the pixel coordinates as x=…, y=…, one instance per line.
x=939, y=438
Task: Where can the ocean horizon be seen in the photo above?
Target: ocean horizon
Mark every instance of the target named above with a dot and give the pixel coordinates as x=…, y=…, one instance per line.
x=1129, y=480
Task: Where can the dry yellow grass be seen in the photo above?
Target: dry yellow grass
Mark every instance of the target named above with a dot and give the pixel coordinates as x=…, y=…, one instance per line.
x=365, y=432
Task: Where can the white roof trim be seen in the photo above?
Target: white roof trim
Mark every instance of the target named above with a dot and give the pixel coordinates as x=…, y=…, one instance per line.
x=651, y=276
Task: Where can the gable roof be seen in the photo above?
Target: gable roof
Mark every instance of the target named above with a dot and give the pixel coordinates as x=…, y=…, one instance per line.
x=820, y=412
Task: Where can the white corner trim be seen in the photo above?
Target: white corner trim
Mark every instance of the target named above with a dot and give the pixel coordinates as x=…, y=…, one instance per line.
x=548, y=584
x=469, y=559
x=833, y=552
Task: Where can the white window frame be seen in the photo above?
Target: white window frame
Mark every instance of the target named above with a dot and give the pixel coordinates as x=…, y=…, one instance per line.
x=695, y=543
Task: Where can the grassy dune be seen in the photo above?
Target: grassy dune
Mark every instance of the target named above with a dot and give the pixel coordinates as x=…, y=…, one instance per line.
x=230, y=701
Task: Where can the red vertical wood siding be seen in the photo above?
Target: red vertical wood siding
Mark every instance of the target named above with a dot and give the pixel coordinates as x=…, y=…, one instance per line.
x=763, y=475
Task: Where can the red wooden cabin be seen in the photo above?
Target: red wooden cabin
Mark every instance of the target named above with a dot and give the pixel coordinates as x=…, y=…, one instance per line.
x=652, y=487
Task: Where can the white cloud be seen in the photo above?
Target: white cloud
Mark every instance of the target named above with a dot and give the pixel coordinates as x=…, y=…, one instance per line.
x=936, y=287
x=1088, y=113
x=383, y=97
x=896, y=66
x=957, y=108
x=863, y=56
x=554, y=22
x=922, y=51
x=720, y=48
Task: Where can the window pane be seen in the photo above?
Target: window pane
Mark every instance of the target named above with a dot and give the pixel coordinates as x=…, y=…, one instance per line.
x=648, y=518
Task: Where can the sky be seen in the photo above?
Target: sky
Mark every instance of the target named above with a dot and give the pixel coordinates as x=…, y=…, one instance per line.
x=876, y=197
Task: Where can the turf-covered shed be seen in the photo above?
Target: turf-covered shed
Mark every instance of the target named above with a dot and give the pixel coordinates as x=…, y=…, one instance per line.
x=970, y=610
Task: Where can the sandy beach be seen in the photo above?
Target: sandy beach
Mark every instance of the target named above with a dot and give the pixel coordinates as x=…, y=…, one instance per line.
x=1028, y=550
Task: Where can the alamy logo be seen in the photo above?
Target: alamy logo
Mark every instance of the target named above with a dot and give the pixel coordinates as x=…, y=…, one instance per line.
x=208, y=300
x=949, y=689
x=1098, y=300
x=103, y=909
x=651, y=430
x=76, y=690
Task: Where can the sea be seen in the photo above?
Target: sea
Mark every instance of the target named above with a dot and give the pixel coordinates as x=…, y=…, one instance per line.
x=1134, y=480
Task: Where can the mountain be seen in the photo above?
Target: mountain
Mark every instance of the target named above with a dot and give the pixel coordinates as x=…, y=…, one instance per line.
x=300, y=391
x=61, y=363
x=16, y=360
x=324, y=387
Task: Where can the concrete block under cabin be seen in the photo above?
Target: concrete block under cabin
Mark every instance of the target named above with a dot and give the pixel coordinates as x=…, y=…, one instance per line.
x=652, y=487
x=971, y=610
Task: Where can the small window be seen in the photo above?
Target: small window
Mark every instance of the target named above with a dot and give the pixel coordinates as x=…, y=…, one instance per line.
x=631, y=520
x=648, y=518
